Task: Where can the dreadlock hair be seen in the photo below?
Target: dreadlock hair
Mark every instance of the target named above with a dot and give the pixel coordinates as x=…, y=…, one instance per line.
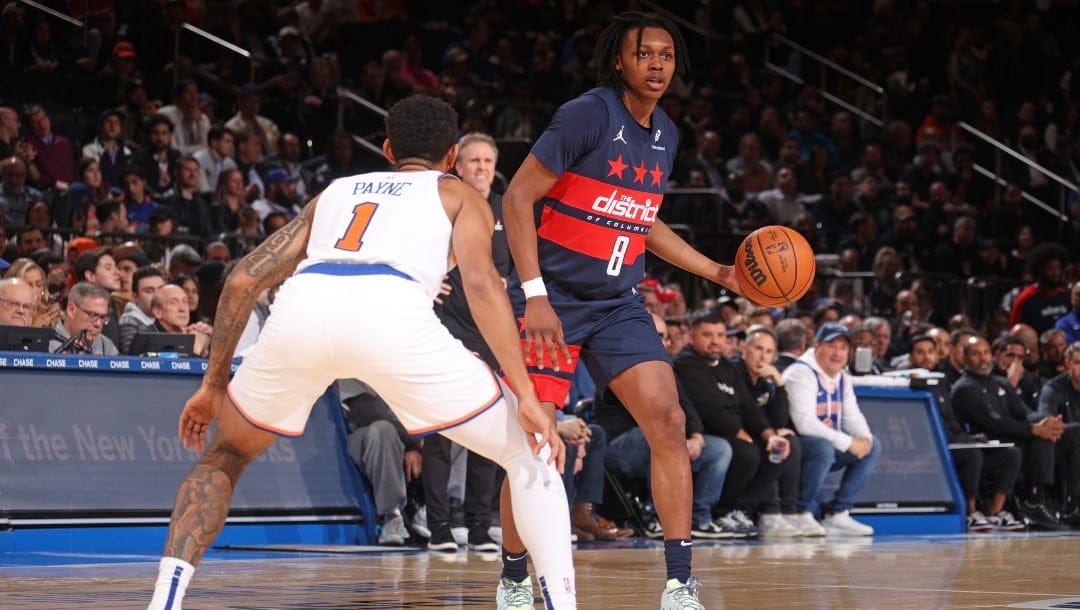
x=611, y=39
x=421, y=127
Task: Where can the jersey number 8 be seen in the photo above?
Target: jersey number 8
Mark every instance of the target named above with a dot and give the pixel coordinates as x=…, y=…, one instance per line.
x=618, y=255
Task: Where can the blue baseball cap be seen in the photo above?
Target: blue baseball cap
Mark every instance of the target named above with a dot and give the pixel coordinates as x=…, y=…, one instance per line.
x=832, y=330
x=277, y=176
x=4, y=264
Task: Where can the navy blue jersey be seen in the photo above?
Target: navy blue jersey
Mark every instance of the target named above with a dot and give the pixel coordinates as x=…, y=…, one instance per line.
x=592, y=224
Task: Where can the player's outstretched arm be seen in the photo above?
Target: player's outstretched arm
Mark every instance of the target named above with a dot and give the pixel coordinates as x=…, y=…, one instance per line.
x=543, y=330
x=271, y=262
x=490, y=307
x=667, y=244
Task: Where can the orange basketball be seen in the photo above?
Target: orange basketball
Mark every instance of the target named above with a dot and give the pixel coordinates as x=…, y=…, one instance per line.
x=774, y=266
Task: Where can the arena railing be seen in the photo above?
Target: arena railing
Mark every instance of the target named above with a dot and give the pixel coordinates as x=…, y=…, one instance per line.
x=1001, y=151
x=68, y=19
x=220, y=42
x=829, y=69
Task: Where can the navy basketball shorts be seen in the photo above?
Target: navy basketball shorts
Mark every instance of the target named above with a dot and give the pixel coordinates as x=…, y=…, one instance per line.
x=609, y=336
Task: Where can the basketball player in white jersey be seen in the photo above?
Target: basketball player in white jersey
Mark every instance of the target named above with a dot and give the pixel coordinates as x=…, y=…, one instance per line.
x=362, y=263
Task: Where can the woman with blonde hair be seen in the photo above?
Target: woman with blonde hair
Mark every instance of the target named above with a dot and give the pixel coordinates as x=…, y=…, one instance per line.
x=47, y=312
x=227, y=201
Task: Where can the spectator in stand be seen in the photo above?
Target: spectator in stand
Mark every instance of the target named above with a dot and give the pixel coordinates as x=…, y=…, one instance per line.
x=98, y=267
x=87, y=314
x=46, y=312
x=1070, y=322
x=138, y=203
x=834, y=211
x=190, y=123
x=172, y=314
x=191, y=207
x=112, y=217
x=873, y=164
x=280, y=195
x=960, y=254
x=1061, y=395
x=1000, y=465
x=779, y=515
x=926, y=171
x=158, y=158
x=832, y=430
x=85, y=194
x=15, y=194
x=340, y=161
x=1009, y=355
x=783, y=201
x=384, y=452
x=319, y=105
x=218, y=251
x=739, y=213
x=749, y=166
x=988, y=405
x=10, y=125
x=248, y=120
x=791, y=342
x=53, y=157
x=715, y=386
x=228, y=200
x=251, y=161
x=289, y=156
x=1052, y=345
x=108, y=147
x=29, y=239
x=1042, y=302
x=863, y=237
x=17, y=303
x=805, y=129
x=138, y=313
x=215, y=158
x=130, y=257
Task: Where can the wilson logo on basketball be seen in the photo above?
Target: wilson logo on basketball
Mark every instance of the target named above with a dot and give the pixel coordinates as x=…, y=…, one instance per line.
x=751, y=264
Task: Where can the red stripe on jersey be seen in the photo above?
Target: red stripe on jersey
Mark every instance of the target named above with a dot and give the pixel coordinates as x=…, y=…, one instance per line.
x=553, y=387
x=589, y=238
x=607, y=200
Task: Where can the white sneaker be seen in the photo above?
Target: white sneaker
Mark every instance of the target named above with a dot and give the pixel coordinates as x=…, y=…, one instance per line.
x=841, y=524
x=776, y=526
x=679, y=596
x=419, y=523
x=393, y=531
x=510, y=595
x=806, y=524
x=977, y=522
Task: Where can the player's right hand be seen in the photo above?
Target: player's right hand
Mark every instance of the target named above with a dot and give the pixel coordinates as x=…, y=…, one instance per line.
x=201, y=409
x=543, y=334
x=540, y=430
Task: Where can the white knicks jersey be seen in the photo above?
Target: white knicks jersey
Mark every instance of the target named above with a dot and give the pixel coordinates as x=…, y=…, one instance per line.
x=384, y=218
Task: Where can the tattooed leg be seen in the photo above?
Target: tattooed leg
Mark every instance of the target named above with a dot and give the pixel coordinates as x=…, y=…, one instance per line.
x=202, y=502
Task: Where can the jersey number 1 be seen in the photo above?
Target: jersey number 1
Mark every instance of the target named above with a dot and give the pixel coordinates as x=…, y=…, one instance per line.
x=361, y=218
x=618, y=255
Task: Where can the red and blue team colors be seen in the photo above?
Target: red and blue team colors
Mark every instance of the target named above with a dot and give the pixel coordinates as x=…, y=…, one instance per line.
x=591, y=231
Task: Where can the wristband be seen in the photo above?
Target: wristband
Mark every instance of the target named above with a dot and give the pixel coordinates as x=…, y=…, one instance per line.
x=534, y=288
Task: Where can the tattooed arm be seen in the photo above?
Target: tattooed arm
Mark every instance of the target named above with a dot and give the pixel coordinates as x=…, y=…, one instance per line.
x=274, y=260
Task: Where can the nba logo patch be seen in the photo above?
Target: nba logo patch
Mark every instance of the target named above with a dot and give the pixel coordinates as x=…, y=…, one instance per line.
x=567, y=585
x=774, y=248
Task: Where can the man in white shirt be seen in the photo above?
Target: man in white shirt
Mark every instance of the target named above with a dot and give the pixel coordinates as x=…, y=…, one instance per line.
x=191, y=125
x=215, y=158
x=832, y=430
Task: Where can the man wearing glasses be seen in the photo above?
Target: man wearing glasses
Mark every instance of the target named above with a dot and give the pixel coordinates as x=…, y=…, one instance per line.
x=16, y=302
x=80, y=332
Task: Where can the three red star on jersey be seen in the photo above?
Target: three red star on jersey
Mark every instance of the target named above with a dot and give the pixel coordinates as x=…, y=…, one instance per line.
x=639, y=173
x=617, y=167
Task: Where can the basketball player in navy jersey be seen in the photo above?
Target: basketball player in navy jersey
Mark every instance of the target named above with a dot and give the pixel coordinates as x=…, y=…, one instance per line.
x=580, y=213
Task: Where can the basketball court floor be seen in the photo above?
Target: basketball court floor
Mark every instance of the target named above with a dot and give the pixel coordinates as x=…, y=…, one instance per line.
x=1025, y=570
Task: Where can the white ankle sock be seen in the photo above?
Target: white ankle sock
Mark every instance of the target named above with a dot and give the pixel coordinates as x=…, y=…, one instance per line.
x=172, y=581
